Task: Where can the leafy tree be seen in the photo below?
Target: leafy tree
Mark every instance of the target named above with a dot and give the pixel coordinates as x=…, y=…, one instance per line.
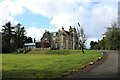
x=112, y=37
x=102, y=43
x=19, y=36
x=92, y=44
x=96, y=47
x=13, y=37
x=82, y=37
x=7, y=37
x=28, y=40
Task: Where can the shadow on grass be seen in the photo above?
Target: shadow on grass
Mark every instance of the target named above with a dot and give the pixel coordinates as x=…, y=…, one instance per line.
x=31, y=73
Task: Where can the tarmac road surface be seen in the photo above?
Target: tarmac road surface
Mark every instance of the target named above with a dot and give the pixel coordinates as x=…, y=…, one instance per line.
x=107, y=69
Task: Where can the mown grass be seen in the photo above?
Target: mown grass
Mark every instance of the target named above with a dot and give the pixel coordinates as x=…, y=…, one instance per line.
x=45, y=63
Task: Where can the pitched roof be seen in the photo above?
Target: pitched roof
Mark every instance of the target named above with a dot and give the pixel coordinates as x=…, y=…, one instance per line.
x=67, y=32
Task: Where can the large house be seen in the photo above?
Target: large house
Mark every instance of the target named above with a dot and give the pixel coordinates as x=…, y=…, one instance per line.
x=60, y=40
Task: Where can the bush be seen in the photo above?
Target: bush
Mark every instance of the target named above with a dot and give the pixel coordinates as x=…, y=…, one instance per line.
x=23, y=50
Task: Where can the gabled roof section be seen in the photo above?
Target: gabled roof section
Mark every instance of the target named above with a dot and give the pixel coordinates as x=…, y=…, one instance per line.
x=67, y=32
x=54, y=33
x=47, y=33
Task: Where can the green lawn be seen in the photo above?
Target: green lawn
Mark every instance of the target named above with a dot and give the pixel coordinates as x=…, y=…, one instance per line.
x=45, y=64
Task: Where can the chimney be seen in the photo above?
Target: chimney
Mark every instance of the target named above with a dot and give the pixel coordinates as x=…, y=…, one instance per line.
x=70, y=29
x=45, y=31
x=59, y=30
x=62, y=28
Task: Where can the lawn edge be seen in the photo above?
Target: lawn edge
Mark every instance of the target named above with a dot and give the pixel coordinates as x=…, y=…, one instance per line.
x=86, y=68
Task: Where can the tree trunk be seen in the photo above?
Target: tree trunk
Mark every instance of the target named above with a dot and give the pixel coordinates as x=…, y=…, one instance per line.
x=83, y=50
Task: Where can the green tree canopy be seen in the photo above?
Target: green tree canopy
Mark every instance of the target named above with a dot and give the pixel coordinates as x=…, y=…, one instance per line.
x=13, y=37
x=92, y=44
x=7, y=37
x=112, y=37
x=102, y=43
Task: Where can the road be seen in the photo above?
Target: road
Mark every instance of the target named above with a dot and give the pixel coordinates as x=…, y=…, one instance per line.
x=107, y=69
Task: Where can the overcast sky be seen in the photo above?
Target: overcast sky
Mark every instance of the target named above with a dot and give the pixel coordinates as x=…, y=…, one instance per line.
x=40, y=15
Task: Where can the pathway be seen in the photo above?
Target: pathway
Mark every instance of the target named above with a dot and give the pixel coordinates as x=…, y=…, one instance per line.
x=107, y=69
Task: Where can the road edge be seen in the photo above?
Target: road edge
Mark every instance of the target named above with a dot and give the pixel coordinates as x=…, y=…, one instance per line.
x=86, y=68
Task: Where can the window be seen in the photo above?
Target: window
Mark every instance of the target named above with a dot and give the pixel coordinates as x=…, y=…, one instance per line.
x=54, y=34
x=54, y=38
x=45, y=39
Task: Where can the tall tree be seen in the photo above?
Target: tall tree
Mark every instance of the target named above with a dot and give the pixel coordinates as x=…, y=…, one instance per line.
x=112, y=37
x=92, y=44
x=20, y=36
x=7, y=37
x=82, y=37
x=28, y=40
x=13, y=37
x=102, y=43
